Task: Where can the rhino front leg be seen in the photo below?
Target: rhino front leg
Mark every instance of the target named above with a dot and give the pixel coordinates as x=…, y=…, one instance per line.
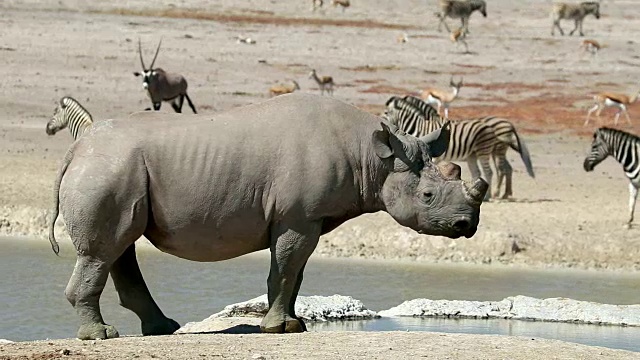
x=290, y=250
x=135, y=296
x=83, y=292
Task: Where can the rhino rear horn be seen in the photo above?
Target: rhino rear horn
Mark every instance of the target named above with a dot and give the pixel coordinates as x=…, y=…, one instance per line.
x=438, y=140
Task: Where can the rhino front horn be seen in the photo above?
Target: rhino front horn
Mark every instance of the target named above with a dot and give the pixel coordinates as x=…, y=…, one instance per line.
x=478, y=190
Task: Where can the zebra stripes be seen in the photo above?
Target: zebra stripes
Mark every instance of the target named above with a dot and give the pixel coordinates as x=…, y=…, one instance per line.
x=460, y=9
x=625, y=148
x=415, y=113
x=69, y=113
x=575, y=12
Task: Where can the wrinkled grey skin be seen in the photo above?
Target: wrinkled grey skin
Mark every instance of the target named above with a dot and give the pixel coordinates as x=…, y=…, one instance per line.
x=274, y=175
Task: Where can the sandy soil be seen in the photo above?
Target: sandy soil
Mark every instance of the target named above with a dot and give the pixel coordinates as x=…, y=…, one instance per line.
x=562, y=218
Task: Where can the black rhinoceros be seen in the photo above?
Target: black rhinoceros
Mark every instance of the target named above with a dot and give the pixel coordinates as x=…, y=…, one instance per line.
x=274, y=175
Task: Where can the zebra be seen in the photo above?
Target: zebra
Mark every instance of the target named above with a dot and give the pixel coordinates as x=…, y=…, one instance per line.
x=506, y=137
x=461, y=9
x=163, y=86
x=469, y=141
x=625, y=148
x=575, y=12
x=69, y=113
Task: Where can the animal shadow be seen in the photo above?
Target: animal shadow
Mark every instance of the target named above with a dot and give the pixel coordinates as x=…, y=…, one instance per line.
x=234, y=330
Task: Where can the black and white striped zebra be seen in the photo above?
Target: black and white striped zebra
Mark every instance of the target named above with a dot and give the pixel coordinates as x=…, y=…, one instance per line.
x=69, y=113
x=469, y=141
x=625, y=148
x=460, y=9
x=575, y=12
x=505, y=134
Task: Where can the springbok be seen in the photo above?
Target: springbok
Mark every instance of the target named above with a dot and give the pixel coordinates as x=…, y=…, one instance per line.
x=457, y=37
x=591, y=46
x=343, y=3
x=608, y=99
x=325, y=82
x=319, y=2
x=441, y=98
x=575, y=12
x=284, y=89
x=163, y=86
x=460, y=9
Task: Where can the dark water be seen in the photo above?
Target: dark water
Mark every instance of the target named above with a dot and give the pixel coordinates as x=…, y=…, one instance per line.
x=33, y=305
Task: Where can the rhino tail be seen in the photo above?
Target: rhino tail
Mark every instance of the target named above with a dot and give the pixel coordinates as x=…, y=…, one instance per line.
x=56, y=199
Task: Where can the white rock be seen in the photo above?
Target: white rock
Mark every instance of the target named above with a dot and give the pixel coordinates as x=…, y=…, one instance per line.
x=310, y=308
x=522, y=307
x=5, y=341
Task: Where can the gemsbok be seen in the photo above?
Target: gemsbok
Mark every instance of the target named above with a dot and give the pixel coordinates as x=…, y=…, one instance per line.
x=163, y=86
x=575, y=12
x=441, y=99
x=608, y=99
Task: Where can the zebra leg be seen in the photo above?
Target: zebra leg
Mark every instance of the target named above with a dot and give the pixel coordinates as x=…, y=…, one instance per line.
x=633, y=194
x=505, y=171
x=488, y=173
x=472, y=162
x=577, y=22
x=134, y=295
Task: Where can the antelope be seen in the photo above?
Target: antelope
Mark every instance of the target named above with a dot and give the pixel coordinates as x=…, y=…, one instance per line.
x=575, y=12
x=245, y=40
x=591, y=46
x=319, y=2
x=325, y=82
x=163, y=86
x=457, y=37
x=459, y=9
x=402, y=38
x=284, y=89
x=344, y=3
x=440, y=98
x=608, y=99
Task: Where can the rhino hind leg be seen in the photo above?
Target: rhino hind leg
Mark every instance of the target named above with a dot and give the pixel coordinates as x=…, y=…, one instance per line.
x=83, y=292
x=135, y=296
x=290, y=250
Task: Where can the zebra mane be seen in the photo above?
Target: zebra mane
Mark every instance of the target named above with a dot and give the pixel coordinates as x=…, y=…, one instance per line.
x=615, y=132
x=68, y=100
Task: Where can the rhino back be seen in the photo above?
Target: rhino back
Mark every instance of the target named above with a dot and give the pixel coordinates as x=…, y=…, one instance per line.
x=295, y=156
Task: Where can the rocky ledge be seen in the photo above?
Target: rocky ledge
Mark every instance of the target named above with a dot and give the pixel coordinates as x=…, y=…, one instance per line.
x=338, y=307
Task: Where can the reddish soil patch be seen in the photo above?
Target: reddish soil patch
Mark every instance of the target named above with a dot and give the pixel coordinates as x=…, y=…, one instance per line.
x=260, y=18
x=387, y=89
x=367, y=81
x=368, y=68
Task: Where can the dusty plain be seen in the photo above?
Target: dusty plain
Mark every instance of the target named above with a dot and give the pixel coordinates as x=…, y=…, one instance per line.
x=564, y=217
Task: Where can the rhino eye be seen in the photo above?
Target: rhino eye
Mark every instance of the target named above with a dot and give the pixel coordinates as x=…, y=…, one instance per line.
x=427, y=196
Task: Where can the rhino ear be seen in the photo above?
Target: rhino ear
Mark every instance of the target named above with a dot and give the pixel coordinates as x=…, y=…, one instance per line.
x=438, y=140
x=386, y=143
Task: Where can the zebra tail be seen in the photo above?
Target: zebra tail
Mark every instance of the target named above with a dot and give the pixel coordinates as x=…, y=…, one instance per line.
x=524, y=153
x=56, y=199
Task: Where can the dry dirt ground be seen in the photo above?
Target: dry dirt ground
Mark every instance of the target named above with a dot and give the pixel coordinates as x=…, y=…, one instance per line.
x=543, y=84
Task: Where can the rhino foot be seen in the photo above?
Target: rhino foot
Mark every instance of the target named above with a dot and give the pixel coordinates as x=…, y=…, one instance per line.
x=291, y=325
x=164, y=326
x=97, y=331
